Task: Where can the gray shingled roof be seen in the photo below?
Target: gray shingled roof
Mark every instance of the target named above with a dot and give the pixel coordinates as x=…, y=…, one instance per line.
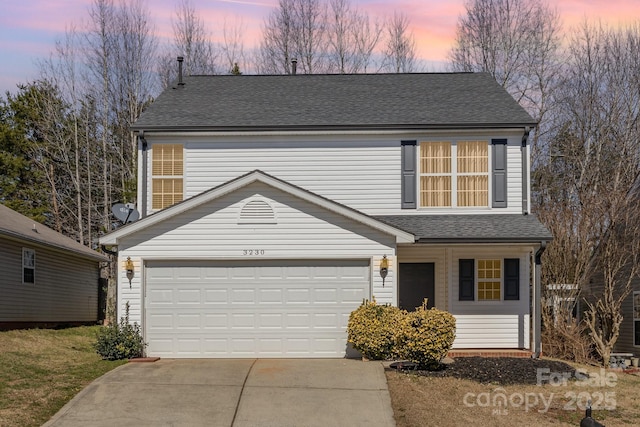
x=18, y=226
x=360, y=101
x=471, y=228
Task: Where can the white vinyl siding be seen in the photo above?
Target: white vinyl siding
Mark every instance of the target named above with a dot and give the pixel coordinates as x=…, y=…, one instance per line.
x=363, y=173
x=492, y=330
x=212, y=232
x=490, y=324
x=66, y=287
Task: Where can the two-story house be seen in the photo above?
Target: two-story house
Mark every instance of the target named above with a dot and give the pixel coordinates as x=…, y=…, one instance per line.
x=269, y=205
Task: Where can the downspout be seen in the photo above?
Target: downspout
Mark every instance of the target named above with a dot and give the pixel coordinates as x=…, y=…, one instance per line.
x=525, y=172
x=537, y=302
x=143, y=174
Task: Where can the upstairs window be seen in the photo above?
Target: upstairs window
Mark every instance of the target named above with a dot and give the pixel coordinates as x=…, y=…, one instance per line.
x=28, y=266
x=167, y=175
x=454, y=174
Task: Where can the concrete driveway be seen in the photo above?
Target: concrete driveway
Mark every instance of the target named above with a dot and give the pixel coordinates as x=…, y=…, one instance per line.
x=234, y=392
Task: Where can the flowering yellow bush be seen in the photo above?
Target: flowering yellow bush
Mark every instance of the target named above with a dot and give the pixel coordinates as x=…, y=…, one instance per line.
x=425, y=336
x=381, y=332
x=372, y=328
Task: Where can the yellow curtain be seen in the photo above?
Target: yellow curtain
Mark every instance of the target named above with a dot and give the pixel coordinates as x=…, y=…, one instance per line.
x=435, y=158
x=473, y=173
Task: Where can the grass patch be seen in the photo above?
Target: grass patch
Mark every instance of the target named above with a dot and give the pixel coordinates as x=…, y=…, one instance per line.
x=449, y=401
x=42, y=369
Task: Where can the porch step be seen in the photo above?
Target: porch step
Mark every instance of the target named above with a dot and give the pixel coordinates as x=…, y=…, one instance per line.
x=490, y=353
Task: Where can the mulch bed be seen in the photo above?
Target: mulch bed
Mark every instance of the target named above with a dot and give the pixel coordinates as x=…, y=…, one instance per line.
x=494, y=370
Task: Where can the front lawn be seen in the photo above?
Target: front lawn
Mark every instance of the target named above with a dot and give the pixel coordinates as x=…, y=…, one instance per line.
x=495, y=393
x=42, y=369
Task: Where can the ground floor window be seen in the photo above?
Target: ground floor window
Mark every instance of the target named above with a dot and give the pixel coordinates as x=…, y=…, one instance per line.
x=28, y=265
x=636, y=318
x=489, y=279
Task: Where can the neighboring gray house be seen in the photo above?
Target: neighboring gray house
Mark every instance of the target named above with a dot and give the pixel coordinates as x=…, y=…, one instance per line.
x=46, y=278
x=273, y=205
x=629, y=339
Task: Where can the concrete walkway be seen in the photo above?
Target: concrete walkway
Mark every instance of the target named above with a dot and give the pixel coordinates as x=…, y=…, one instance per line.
x=236, y=393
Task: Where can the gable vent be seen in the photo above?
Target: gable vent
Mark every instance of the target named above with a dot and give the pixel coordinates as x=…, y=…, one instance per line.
x=257, y=211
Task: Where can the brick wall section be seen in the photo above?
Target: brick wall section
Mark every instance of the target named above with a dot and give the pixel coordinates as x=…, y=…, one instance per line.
x=490, y=353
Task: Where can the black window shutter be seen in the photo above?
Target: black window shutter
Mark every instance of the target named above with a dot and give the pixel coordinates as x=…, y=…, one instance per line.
x=499, y=175
x=512, y=279
x=466, y=291
x=408, y=185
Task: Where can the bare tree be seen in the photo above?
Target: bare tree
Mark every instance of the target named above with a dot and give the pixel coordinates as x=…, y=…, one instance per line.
x=588, y=186
x=517, y=42
x=99, y=46
x=62, y=72
x=192, y=41
x=400, y=52
x=233, y=46
x=352, y=38
x=295, y=30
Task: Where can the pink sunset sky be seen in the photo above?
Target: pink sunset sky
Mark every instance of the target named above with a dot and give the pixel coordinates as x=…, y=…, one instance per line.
x=29, y=28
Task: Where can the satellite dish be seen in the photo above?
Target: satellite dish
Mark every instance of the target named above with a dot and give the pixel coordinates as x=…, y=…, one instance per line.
x=125, y=213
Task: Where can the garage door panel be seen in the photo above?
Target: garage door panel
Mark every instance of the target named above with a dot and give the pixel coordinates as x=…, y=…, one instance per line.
x=270, y=296
x=188, y=296
x=216, y=321
x=264, y=309
x=298, y=295
x=216, y=296
x=270, y=321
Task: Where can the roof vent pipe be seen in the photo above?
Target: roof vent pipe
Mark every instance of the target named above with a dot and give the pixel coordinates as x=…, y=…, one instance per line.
x=294, y=66
x=180, y=82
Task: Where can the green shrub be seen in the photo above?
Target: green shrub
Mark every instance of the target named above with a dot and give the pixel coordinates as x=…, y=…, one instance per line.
x=372, y=328
x=425, y=336
x=120, y=341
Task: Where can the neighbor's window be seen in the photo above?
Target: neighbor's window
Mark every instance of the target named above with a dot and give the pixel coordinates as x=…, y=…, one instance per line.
x=636, y=318
x=454, y=174
x=489, y=279
x=167, y=175
x=28, y=266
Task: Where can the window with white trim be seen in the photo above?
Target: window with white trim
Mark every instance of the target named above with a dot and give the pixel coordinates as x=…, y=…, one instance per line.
x=636, y=318
x=489, y=279
x=28, y=265
x=167, y=172
x=454, y=174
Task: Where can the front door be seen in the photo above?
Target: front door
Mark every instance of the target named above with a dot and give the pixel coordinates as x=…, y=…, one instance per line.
x=417, y=282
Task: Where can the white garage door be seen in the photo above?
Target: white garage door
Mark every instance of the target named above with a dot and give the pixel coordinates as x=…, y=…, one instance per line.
x=252, y=309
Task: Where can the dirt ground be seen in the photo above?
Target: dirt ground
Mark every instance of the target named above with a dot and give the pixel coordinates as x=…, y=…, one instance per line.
x=513, y=391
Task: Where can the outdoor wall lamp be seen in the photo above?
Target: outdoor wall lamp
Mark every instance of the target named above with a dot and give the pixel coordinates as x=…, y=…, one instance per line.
x=384, y=268
x=129, y=268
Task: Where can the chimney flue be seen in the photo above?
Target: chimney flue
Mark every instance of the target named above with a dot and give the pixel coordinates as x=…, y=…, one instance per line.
x=180, y=82
x=294, y=66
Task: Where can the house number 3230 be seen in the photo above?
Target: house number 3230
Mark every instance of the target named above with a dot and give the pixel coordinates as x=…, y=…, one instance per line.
x=253, y=252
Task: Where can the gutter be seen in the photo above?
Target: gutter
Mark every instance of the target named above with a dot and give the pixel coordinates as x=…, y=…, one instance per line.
x=328, y=127
x=90, y=254
x=525, y=180
x=537, y=304
x=143, y=192
x=463, y=240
